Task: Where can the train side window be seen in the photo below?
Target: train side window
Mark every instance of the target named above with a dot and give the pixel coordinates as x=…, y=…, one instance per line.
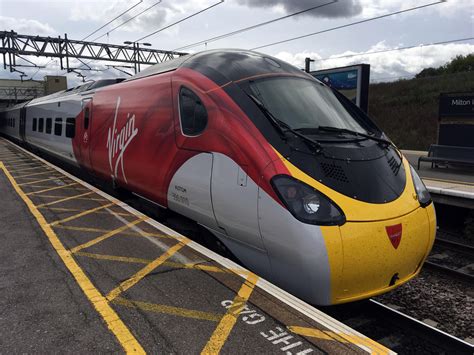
x=49, y=125
x=58, y=126
x=192, y=113
x=70, y=127
x=35, y=124
x=86, y=118
x=41, y=125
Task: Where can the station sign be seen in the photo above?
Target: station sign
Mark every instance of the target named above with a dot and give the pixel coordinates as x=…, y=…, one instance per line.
x=351, y=81
x=456, y=105
x=456, y=119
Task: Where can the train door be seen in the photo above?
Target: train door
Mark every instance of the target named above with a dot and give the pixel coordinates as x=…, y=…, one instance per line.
x=85, y=118
x=22, y=123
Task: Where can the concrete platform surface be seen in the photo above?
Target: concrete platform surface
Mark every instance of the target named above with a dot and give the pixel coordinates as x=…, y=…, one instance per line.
x=452, y=185
x=83, y=272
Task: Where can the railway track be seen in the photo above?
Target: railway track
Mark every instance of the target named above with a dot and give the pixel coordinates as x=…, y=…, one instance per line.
x=396, y=330
x=452, y=259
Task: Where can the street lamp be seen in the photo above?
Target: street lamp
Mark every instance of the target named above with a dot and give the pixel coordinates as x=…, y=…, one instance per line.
x=136, y=48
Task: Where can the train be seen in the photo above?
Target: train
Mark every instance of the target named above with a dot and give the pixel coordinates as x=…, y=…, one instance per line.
x=297, y=182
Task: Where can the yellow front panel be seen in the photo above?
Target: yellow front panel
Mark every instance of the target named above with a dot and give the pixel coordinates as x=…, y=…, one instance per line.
x=370, y=260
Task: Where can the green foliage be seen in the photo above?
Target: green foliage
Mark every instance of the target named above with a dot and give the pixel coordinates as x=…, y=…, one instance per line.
x=459, y=64
x=407, y=110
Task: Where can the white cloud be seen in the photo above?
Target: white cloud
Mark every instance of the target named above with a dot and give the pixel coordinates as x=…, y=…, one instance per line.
x=22, y=25
x=389, y=65
x=158, y=16
x=449, y=8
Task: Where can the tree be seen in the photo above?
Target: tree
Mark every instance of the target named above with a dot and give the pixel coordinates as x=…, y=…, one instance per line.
x=460, y=63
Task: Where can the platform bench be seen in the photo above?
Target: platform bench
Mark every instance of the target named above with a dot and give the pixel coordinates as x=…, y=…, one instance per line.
x=448, y=154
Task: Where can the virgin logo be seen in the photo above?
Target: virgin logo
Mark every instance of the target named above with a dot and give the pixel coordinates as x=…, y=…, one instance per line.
x=394, y=234
x=118, y=141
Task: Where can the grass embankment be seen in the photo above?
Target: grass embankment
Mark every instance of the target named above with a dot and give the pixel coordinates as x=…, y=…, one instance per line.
x=407, y=110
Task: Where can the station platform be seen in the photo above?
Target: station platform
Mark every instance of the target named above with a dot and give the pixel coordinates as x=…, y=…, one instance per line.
x=447, y=185
x=84, y=272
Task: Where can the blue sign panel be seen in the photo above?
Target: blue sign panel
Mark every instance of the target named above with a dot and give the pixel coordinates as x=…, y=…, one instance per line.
x=352, y=82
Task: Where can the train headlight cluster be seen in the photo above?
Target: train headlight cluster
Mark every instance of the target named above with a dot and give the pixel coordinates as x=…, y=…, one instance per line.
x=424, y=197
x=306, y=203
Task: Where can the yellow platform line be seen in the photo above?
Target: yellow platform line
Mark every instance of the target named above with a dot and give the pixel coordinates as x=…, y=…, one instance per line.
x=145, y=271
x=82, y=214
x=36, y=181
x=63, y=209
x=79, y=198
x=126, y=259
x=161, y=308
x=375, y=348
x=14, y=166
x=111, y=318
x=15, y=161
x=9, y=155
x=226, y=324
x=100, y=230
x=35, y=177
x=34, y=174
x=34, y=167
x=107, y=235
x=65, y=199
x=50, y=189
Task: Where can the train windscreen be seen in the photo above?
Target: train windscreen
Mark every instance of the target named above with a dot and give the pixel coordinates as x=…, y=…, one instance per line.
x=303, y=104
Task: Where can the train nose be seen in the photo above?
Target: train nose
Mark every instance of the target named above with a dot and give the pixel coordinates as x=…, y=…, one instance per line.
x=380, y=255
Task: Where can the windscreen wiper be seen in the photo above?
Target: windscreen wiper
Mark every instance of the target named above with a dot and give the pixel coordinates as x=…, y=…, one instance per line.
x=280, y=125
x=359, y=134
x=354, y=133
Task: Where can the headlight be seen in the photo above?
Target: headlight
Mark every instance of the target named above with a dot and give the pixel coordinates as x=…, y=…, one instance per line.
x=306, y=203
x=424, y=197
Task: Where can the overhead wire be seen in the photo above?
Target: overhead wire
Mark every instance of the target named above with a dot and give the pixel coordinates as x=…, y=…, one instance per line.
x=130, y=19
x=261, y=24
x=174, y=23
x=350, y=24
x=116, y=17
x=179, y=21
x=396, y=49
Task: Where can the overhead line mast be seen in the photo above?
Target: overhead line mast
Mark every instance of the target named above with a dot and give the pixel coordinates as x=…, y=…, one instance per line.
x=14, y=45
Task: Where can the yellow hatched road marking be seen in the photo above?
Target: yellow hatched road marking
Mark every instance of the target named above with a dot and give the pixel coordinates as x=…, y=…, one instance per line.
x=50, y=189
x=126, y=259
x=25, y=165
x=145, y=271
x=15, y=161
x=161, y=308
x=34, y=182
x=28, y=175
x=64, y=199
x=375, y=348
x=123, y=259
x=221, y=333
x=100, y=230
x=80, y=198
x=35, y=167
x=61, y=209
x=82, y=214
x=107, y=235
x=100, y=303
x=34, y=178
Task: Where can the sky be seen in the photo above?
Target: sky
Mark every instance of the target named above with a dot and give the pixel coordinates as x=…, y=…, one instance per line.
x=441, y=22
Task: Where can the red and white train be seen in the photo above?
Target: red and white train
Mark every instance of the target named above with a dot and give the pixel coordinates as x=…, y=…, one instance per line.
x=297, y=182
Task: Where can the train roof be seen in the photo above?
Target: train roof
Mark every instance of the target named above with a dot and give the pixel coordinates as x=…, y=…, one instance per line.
x=91, y=85
x=224, y=65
